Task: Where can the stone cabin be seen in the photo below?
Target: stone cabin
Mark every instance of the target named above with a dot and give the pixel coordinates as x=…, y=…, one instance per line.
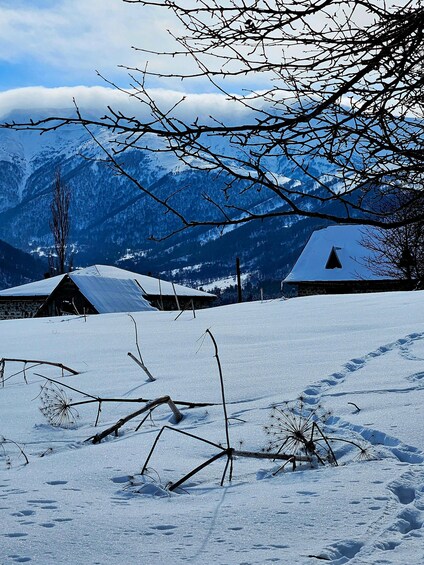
x=335, y=261
x=96, y=290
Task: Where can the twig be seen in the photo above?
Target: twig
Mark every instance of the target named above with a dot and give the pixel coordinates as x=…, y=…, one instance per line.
x=273, y=456
x=182, y=311
x=142, y=365
x=136, y=338
x=35, y=363
x=139, y=361
x=353, y=404
x=148, y=407
x=173, y=486
x=22, y=452
x=221, y=380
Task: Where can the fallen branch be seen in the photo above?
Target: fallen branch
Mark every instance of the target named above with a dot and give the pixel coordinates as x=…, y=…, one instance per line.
x=142, y=365
x=148, y=407
x=230, y=454
x=4, y=440
x=139, y=361
x=273, y=456
x=92, y=398
x=34, y=363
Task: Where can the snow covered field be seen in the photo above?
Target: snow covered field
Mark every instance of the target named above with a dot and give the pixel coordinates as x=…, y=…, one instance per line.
x=80, y=503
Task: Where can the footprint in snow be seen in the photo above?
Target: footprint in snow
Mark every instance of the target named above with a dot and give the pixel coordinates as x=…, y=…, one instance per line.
x=21, y=513
x=416, y=377
x=163, y=527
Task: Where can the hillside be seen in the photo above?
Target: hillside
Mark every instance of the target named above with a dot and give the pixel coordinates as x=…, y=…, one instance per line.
x=113, y=221
x=18, y=267
x=356, y=362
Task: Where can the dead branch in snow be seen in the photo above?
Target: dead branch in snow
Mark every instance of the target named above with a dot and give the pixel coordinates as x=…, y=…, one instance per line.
x=61, y=411
x=149, y=406
x=142, y=365
x=3, y=442
x=228, y=451
x=139, y=361
x=34, y=363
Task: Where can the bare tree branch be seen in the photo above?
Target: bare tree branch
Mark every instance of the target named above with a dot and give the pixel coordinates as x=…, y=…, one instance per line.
x=340, y=101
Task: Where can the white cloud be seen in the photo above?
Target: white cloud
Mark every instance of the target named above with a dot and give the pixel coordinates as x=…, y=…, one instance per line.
x=78, y=35
x=45, y=101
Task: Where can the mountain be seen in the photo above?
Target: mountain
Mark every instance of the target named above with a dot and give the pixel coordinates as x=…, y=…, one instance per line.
x=18, y=267
x=112, y=220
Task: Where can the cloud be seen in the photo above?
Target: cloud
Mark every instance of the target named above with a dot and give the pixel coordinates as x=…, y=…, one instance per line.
x=76, y=37
x=41, y=101
x=64, y=43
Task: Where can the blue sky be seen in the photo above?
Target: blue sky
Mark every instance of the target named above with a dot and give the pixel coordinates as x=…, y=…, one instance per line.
x=63, y=42
x=50, y=51
x=46, y=45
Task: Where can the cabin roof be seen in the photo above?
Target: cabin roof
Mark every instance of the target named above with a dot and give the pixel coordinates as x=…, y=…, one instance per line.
x=150, y=286
x=335, y=253
x=109, y=295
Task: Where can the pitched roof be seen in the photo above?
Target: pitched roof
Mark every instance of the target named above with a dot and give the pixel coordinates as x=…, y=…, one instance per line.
x=335, y=253
x=150, y=286
x=109, y=295
x=38, y=288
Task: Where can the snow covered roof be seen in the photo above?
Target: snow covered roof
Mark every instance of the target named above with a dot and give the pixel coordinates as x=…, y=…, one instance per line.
x=335, y=253
x=38, y=288
x=109, y=295
x=150, y=286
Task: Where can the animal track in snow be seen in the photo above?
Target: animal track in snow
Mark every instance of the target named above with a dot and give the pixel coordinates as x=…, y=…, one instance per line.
x=416, y=377
x=313, y=393
x=340, y=552
x=403, y=514
x=403, y=518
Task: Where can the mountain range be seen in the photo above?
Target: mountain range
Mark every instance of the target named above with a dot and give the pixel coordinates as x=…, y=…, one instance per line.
x=112, y=221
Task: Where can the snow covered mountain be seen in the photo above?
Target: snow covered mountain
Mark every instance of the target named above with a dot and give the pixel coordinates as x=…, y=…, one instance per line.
x=112, y=220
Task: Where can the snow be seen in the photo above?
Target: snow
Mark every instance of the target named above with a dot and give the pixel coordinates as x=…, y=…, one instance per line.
x=150, y=285
x=109, y=295
x=37, y=288
x=225, y=282
x=346, y=242
x=84, y=503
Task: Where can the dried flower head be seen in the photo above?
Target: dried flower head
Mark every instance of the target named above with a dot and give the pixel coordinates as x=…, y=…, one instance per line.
x=366, y=452
x=57, y=407
x=296, y=429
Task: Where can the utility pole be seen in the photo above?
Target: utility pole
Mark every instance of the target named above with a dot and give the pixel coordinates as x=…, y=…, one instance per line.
x=239, y=296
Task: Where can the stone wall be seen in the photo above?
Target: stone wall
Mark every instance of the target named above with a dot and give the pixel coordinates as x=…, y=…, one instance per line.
x=15, y=308
x=351, y=287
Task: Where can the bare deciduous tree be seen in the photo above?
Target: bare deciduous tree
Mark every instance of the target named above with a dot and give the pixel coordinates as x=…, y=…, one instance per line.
x=60, y=225
x=399, y=252
x=339, y=97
